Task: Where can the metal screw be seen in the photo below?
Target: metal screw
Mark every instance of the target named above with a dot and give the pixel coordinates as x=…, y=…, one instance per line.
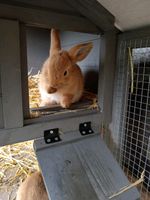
x=83, y=132
x=85, y=125
x=51, y=131
x=48, y=140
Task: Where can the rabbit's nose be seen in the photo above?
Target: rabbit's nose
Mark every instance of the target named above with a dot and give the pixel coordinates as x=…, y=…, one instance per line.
x=51, y=90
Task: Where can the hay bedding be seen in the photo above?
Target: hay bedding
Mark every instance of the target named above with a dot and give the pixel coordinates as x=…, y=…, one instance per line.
x=34, y=95
x=16, y=161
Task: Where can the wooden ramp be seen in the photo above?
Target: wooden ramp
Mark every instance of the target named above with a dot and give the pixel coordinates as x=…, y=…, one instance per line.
x=81, y=168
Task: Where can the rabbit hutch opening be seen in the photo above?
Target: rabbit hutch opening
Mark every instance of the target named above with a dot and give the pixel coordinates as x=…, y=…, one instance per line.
x=38, y=45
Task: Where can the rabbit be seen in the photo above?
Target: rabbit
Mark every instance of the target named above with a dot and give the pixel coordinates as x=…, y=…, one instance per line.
x=61, y=80
x=32, y=188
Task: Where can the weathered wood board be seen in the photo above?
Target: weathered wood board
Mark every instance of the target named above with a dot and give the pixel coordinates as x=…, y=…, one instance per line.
x=81, y=167
x=10, y=69
x=1, y=107
x=95, y=12
x=47, y=18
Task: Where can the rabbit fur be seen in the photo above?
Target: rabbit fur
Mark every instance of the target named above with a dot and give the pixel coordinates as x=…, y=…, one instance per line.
x=32, y=188
x=61, y=80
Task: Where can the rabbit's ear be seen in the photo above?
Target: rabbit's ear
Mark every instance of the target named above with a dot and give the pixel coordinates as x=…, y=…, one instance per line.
x=55, y=41
x=79, y=52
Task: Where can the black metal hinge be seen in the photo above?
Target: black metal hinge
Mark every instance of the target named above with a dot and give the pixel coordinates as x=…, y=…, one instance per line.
x=85, y=128
x=52, y=136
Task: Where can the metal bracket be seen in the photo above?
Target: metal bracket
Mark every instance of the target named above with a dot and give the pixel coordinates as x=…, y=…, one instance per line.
x=85, y=128
x=52, y=136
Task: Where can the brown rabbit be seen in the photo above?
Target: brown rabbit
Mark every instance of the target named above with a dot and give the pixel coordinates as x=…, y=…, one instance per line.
x=32, y=188
x=61, y=80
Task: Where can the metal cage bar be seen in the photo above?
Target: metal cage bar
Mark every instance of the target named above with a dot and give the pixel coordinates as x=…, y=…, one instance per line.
x=131, y=110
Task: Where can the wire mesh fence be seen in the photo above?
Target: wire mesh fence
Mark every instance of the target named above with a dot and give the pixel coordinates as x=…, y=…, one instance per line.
x=131, y=111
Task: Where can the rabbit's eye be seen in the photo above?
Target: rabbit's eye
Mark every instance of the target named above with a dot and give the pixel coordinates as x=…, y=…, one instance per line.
x=65, y=73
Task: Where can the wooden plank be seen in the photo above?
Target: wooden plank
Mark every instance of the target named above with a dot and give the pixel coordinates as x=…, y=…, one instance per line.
x=95, y=12
x=11, y=74
x=57, y=5
x=36, y=130
x=135, y=34
x=69, y=179
x=24, y=71
x=82, y=104
x=96, y=158
x=66, y=177
x=1, y=112
x=1, y=105
x=47, y=18
x=84, y=162
x=107, y=73
x=61, y=115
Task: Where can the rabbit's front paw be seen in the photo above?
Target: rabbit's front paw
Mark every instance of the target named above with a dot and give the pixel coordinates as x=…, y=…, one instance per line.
x=65, y=104
x=66, y=101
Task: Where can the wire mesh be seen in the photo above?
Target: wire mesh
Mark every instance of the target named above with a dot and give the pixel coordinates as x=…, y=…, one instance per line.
x=131, y=111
